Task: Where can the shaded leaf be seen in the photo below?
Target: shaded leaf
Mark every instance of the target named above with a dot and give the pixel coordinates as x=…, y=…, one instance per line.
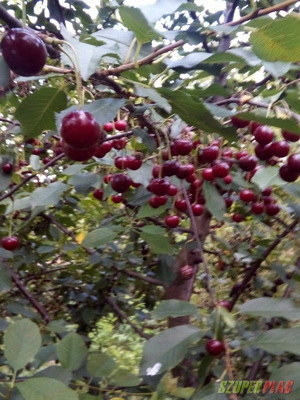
x=269, y=308
x=45, y=389
x=5, y=279
x=174, y=308
x=268, y=176
x=278, y=340
x=50, y=195
x=214, y=201
x=99, y=365
x=99, y=237
x=55, y=372
x=71, y=350
x=161, y=7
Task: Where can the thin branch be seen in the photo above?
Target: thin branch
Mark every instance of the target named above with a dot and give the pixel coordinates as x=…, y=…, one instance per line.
x=261, y=12
x=256, y=265
x=139, y=276
x=232, y=11
x=123, y=316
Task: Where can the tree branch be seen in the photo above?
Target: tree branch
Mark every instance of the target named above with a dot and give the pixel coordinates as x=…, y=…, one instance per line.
x=139, y=276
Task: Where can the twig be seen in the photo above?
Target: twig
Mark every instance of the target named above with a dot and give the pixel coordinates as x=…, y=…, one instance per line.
x=261, y=12
x=122, y=315
x=137, y=275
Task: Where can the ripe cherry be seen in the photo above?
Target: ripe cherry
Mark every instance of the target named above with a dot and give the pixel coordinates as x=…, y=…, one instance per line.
x=170, y=167
x=10, y=243
x=214, y=347
x=117, y=198
x=23, y=51
x=237, y=217
x=257, y=208
x=134, y=163
x=121, y=125
x=180, y=205
x=280, y=149
x=263, y=134
x=228, y=179
x=98, y=194
x=160, y=186
x=78, y=154
x=290, y=136
x=120, y=182
x=121, y=162
x=183, y=147
x=109, y=127
x=173, y=190
x=264, y=152
x=238, y=122
x=7, y=168
x=208, y=174
x=287, y=174
x=119, y=144
x=157, y=201
x=172, y=221
x=247, y=163
x=220, y=169
x=247, y=195
x=253, y=125
x=241, y=153
x=293, y=162
x=80, y=130
x=272, y=209
x=267, y=191
x=185, y=171
x=225, y=304
x=103, y=149
x=210, y=153
x=197, y=209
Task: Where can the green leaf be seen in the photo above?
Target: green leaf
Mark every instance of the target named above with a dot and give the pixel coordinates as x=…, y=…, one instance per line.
x=118, y=44
x=45, y=389
x=174, y=308
x=99, y=237
x=269, y=308
x=161, y=7
x=4, y=73
x=268, y=176
x=99, y=365
x=165, y=350
x=214, y=201
x=152, y=94
x=290, y=372
x=47, y=196
x=74, y=169
x=5, y=279
x=22, y=340
x=283, y=123
x=278, y=41
x=135, y=21
x=123, y=377
x=154, y=236
x=278, y=340
x=191, y=108
x=142, y=175
x=55, y=372
x=147, y=211
x=71, y=350
x=36, y=113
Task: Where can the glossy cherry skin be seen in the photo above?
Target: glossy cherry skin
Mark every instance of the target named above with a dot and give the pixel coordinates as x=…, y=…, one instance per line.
x=214, y=347
x=7, y=168
x=80, y=130
x=293, y=162
x=183, y=146
x=78, y=154
x=23, y=51
x=208, y=174
x=109, y=127
x=10, y=243
x=247, y=163
x=117, y=198
x=247, y=195
x=172, y=221
x=160, y=187
x=134, y=163
x=288, y=174
x=272, y=209
x=290, y=136
x=237, y=217
x=281, y=148
x=238, y=122
x=263, y=134
x=98, y=194
x=120, y=125
x=197, y=209
x=120, y=182
x=180, y=205
x=221, y=169
x=257, y=208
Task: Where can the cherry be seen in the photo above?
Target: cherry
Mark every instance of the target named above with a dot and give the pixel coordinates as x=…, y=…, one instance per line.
x=267, y=191
x=172, y=221
x=238, y=122
x=227, y=153
x=228, y=179
x=157, y=201
x=37, y=151
x=180, y=205
x=228, y=201
x=107, y=178
x=287, y=174
x=247, y=163
x=80, y=130
x=225, y=304
x=257, y=208
x=241, y=153
x=263, y=134
x=120, y=125
x=134, y=163
x=117, y=198
x=98, y=194
x=160, y=186
x=290, y=136
x=23, y=51
x=264, y=152
x=170, y=168
x=196, y=184
x=247, y=195
x=7, y=168
x=78, y=154
x=210, y=153
x=121, y=162
x=186, y=272
x=268, y=199
x=293, y=162
x=253, y=125
x=103, y=149
x=46, y=160
x=183, y=147
x=185, y=171
x=197, y=209
x=280, y=149
x=120, y=182
x=109, y=127
x=119, y=144
x=272, y=209
x=191, y=178
x=220, y=169
x=208, y=174
x=10, y=243
x=237, y=217
x=173, y=190
x=214, y=347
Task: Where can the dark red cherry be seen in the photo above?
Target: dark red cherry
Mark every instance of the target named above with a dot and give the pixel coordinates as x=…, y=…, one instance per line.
x=241, y=153
x=103, y=149
x=214, y=347
x=237, y=217
x=210, y=153
x=208, y=174
x=221, y=169
x=98, y=194
x=157, y=201
x=253, y=125
x=290, y=136
x=272, y=209
x=280, y=149
x=119, y=144
x=134, y=163
x=10, y=243
x=247, y=163
x=181, y=205
x=109, y=127
x=293, y=162
x=263, y=134
x=264, y=152
x=183, y=146
x=121, y=162
x=257, y=208
x=238, y=122
x=78, y=154
x=197, y=209
x=170, y=167
x=267, y=191
x=121, y=125
x=173, y=190
x=247, y=195
x=7, y=168
x=228, y=179
x=185, y=171
x=117, y=198
x=80, y=130
x=287, y=174
x=120, y=182
x=23, y=51
x=172, y=221
x=160, y=186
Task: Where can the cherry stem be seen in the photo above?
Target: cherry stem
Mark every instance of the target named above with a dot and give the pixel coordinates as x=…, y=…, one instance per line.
x=24, y=15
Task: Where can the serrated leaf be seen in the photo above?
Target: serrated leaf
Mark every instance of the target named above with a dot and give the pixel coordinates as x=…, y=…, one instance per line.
x=142, y=175
x=5, y=279
x=45, y=389
x=174, y=308
x=214, y=201
x=119, y=44
x=270, y=308
x=152, y=94
x=278, y=41
x=278, y=340
x=47, y=196
x=37, y=111
x=98, y=237
x=71, y=350
x=99, y=365
x=268, y=176
x=22, y=340
x=135, y=21
x=165, y=350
